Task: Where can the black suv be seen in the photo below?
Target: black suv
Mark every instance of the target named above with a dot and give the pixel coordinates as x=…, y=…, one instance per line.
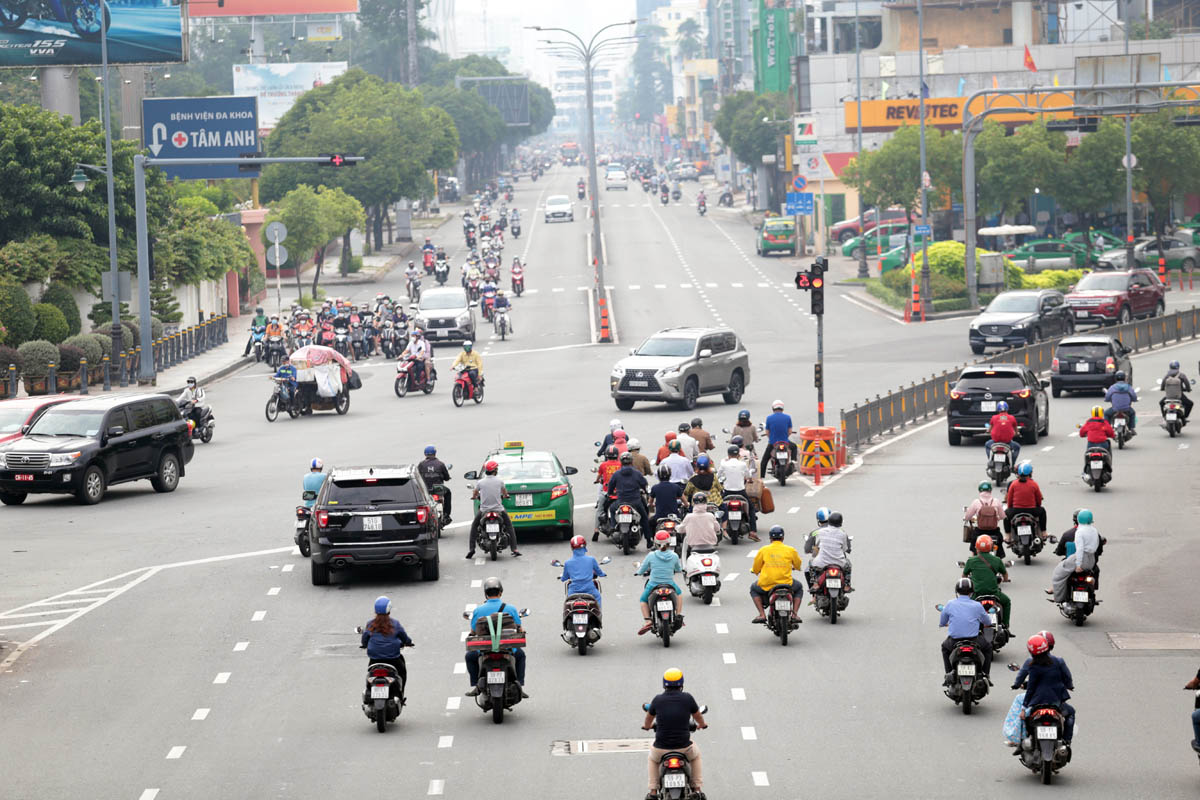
x=1088, y=363
x=978, y=389
x=85, y=446
x=368, y=516
x=1020, y=317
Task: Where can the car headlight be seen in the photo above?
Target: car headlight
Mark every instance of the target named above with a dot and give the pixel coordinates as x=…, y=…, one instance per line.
x=463, y=317
x=667, y=372
x=64, y=459
x=1018, y=325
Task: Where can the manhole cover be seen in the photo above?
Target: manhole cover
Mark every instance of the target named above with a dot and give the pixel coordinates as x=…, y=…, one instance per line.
x=584, y=747
x=1155, y=641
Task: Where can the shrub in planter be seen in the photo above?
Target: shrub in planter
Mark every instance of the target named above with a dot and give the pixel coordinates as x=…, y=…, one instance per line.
x=126, y=337
x=103, y=342
x=8, y=355
x=156, y=328
x=36, y=357
x=68, y=366
x=16, y=312
x=90, y=347
x=135, y=333
x=60, y=297
x=51, y=324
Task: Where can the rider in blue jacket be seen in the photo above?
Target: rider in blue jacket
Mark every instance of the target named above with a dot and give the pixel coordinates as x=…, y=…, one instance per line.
x=1121, y=397
x=581, y=570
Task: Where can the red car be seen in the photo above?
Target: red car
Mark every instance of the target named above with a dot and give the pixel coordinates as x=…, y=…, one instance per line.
x=1106, y=297
x=16, y=414
x=847, y=229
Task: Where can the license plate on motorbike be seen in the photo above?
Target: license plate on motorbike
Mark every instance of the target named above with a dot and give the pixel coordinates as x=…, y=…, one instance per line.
x=999, y=458
x=783, y=605
x=579, y=619
x=1120, y=422
x=524, y=500
x=987, y=405
x=493, y=527
x=708, y=580
x=993, y=616
x=1172, y=416
x=674, y=780
x=639, y=384
x=1082, y=366
x=301, y=524
x=624, y=517
x=1024, y=530
x=1097, y=463
x=496, y=676
x=1047, y=732
x=1079, y=597
x=781, y=456
x=735, y=516
x=372, y=523
x=671, y=542
x=381, y=692
x=833, y=583
x=966, y=669
x=665, y=605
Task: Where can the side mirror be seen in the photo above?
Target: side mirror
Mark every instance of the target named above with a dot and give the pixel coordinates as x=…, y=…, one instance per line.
x=940, y=606
x=570, y=471
x=1052, y=540
x=606, y=560
x=1013, y=668
x=116, y=430
x=597, y=444
x=703, y=709
x=471, y=476
x=646, y=707
x=358, y=629
x=706, y=353
x=1045, y=384
x=309, y=495
x=724, y=430
x=25, y=429
x=556, y=563
x=471, y=486
x=632, y=351
x=1010, y=563
x=961, y=563
x=525, y=612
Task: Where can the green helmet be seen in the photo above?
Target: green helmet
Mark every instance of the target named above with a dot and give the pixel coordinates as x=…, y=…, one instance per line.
x=467, y=346
x=1085, y=516
x=985, y=486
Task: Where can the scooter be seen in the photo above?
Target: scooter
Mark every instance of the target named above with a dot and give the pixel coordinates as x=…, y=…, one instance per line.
x=498, y=687
x=581, y=615
x=493, y=534
x=781, y=462
x=1098, y=462
x=625, y=526
x=384, y=695
x=779, y=607
x=258, y=333
x=999, y=467
x=703, y=573
x=676, y=195
x=965, y=684
x=1042, y=749
x=500, y=322
x=427, y=261
x=1120, y=424
x=664, y=197
x=701, y=208
x=515, y=229
x=674, y=771
x=663, y=621
x=464, y=390
x=518, y=279
x=406, y=379
x=303, y=517
x=1081, y=589
x=1027, y=539
x=205, y=424
x=1173, y=420
x=737, y=518
x=829, y=593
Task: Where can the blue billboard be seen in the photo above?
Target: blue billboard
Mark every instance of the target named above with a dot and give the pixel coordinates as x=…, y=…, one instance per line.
x=50, y=33
x=201, y=128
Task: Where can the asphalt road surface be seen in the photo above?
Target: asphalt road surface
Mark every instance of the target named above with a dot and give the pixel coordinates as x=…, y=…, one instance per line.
x=187, y=654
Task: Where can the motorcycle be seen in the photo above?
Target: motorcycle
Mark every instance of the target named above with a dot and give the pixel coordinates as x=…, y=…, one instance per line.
x=1172, y=414
x=702, y=208
x=515, y=229
x=406, y=377
x=1081, y=588
x=427, y=261
x=493, y=533
x=83, y=15
x=487, y=303
x=781, y=462
x=674, y=771
x=464, y=390
x=277, y=401
x=829, y=593
x=471, y=240
x=439, y=492
x=1027, y=541
x=1042, y=750
x=303, y=518
x=581, y=616
x=966, y=684
x=500, y=322
x=202, y=418
x=341, y=339
x=1000, y=634
x=580, y=191
x=473, y=289
x=518, y=280
x=703, y=573
x=663, y=622
x=383, y=698
x=726, y=199
x=358, y=341
x=441, y=272
x=258, y=334
x=676, y=195
x=737, y=518
x=387, y=343
x=665, y=198
x=498, y=688
x=999, y=467
x=1120, y=424
x=1099, y=467
x=276, y=352
x=645, y=185
x=779, y=607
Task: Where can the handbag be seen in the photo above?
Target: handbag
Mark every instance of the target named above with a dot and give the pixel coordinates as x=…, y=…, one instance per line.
x=767, y=502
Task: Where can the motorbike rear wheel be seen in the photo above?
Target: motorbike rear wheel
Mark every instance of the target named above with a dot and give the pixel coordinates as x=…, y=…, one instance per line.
x=666, y=635
x=966, y=701
x=785, y=628
x=833, y=611
x=1027, y=558
x=582, y=645
x=1047, y=772
x=381, y=719
x=707, y=597
x=341, y=403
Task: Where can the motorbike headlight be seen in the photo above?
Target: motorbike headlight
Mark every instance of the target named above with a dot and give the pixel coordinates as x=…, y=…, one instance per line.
x=64, y=459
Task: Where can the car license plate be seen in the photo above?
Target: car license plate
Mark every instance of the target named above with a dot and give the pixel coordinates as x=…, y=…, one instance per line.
x=579, y=619
x=23, y=477
x=493, y=527
x=674, y=780
x=639, y=384
x=665, y=605
x=994, y=339
x=708, y=580
x=1082, y=366
x=372, y=523
x=1082, y=313
x=381, y=692
x=735, y=516
x=987, y=405
x=1047, y=732
x=1172, y=416
x=783, y=605
x=1079, y=597
x=624, y=517
x=496, y=676
x=833, y=583
x=524, y=500
x=1097, y=463
x=966, y=669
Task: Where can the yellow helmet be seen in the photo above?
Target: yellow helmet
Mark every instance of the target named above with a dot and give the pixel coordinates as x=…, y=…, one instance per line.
x=1097, y=412
x=673, y=678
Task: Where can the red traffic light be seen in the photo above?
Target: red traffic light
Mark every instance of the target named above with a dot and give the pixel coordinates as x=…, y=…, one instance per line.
x=817, y=282
x=336, y=160
x=802, y=280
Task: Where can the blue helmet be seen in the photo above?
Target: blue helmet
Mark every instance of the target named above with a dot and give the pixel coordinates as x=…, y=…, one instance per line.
x=823, y=514
x=383, y=605
x=430, y=450
x=1025, y=468
x=703, y=461
x=1085, y=516
x=316, y=463
x=1002, y=406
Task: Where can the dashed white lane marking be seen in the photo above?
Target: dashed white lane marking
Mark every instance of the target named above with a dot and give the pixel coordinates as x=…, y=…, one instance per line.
x=763, y=285
x=176, y=752
x=752, y=553
x=479, y=562
x=729, y=658
x=737, y=693
x=736, y=285
x=436, y=787
x=445, y=741
x=749, y=734
x=634, y=286
x=240, y=646
x=274, y=590
x=475, y=584
x=581, y=288
x=288, y=567
x=809, y=493
x=722, y=627
x=557, y=289
x=1047, y=448
x=453, y=703
x=259, y=616
x=201, y=714
x=711, y=285
x=760, y=779
x=148, y=794
x=1183, y=447
x=222, y=677
x=793, y=509
x=460, y=668
x=731, y=576
x=716, y=601
x=685, y=286
x=660, y=286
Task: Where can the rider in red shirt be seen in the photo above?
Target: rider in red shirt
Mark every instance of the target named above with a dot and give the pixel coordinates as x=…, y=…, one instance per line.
x=1023, y=493
x=1003, y=428
x=1097, y=430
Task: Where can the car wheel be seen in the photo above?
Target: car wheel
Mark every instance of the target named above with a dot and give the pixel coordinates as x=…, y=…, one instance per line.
x=320, y=574
x=168, y=474
x=91, y=486
x=430, y=569
x=12, y=498
x=1030, y=436
x=1124, y=316
x=691, y=393
x=977, y=349
x=954, y=438
x=737, y=387
x=846, y=236
x=567, y=532
x=624, y=404
x=1046, y=426
x=1188, y=265
x=1056, y=390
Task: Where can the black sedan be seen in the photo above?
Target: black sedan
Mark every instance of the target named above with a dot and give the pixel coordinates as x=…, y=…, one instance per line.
x=979, y=390
x=1083, y=363
x=1020, y=317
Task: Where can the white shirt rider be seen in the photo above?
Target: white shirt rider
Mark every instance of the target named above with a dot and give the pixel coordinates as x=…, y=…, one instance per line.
x=412, y=273
x=733, y=473
x=417, y=347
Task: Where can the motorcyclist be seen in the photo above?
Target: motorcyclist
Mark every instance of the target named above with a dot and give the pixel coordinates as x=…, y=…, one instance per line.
x=832, y=548
x=986, y=572
x=745, y=429
x=660, y=565
x=384, y=639
x=471, y=363
x=1174, y=386
x=493, y=590
x=1024, y=493
x=313, y=480
x=665, y=496
x=192, y=396
x=1049, y=683
x=1023, y=672
x=965, y=618
x=779, y=429
x=1066, y=546
x=701, y=198
x=664, y=449
x=687, y=442
x=987, y=511
x=640, y=462
x=733, y=473
x=604, y=472
x=703, y=439
x=628, y=484
x=435, y=473
x=1121, y=397
x=418, y=350
x=491, y=494
x=774, y=565
x=581, y=570
x=704, y=480
x=501, y=302
x=700, y=529
x=412, y=276
x=273, y=327
x=672, y=712
x=1087, y=546
x=1194, y=685
x=613, y=426
x=1002, y=428
x=428, y=246
x=285, y=374
x=1097, y=431
x=260, y=321
x=679, y=464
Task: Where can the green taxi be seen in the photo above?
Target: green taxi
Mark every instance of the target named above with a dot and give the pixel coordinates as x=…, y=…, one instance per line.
x=1049, y=254
x=1109, y=241
x=1191, y=227
x=776, y=235
x=894, y=258
x=880, y=238
x=539, y=492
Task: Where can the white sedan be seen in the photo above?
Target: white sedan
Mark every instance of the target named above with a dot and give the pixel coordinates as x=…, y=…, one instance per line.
x=558, y=207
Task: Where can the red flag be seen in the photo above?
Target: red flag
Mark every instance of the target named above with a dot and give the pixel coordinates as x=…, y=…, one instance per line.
x=1029, y=65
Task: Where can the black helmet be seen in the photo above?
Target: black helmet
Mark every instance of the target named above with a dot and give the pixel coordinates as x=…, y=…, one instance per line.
x=1120, y=375
x=627, y=457
x=684, y=427
x=492, y=587
x=611, y=452
x=744, y=414
x=733, y=450
x=835, y=519
x=776, y=533
x=738, y=441
x=697, y=422
x=664, y=473
x=964, y=586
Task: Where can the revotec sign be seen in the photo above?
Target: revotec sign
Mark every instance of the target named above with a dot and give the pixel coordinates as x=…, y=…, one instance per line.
x=201, y=128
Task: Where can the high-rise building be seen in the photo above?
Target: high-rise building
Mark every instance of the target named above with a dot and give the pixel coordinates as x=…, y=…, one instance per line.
x=569, y=90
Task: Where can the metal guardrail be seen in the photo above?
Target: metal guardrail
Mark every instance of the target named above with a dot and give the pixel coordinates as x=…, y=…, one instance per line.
x=926, y=398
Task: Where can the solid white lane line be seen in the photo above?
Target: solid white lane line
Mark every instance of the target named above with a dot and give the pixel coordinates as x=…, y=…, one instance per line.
x=729, y=658
x=288, y=567
x=453, y=703
x=737, y=693
x=660, y=286
x=445, y=741
x=201, y=714
x=259, y=616
x=176, y=752
x=148, y=794
x=274, y=590
x=722, y=627
x=760, y=779
x=749, y=734
x=42, y=613
x=460, y=668
x=873, y=310
x=240, y=646
x=436, y=787
x=222, y=677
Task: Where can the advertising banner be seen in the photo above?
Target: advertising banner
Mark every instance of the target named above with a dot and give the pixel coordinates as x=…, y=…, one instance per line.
x=200, y=128
x=262, y=8
x=278, y=85
x=947, y=112
x=330, y=31
x=772, y=48
x=54, y=33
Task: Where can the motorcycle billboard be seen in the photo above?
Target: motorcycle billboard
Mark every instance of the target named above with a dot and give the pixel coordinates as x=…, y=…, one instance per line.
x=60, y=33
x=278, y=85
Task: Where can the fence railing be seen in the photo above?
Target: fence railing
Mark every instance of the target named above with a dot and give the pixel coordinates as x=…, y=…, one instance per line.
x=927, y=398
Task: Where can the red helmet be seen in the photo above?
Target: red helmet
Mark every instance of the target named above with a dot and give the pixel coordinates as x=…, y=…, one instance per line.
x=1037, y=645
x=672, y=435
x=661, y=538
x=491, y=467
x=578, y=542
x=983, y=544
x=1048, y=636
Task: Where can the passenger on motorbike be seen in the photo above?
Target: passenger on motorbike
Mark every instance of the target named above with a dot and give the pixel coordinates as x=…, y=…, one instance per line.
x=581, y=570
x=384, y=639
x=471, y=363
x=679, y=464
x=613, y=426
x=664, y=496
x=832, y=547
x=1002, y=428
x=285, y=374
x=1174, y=386
x=1121, y=397
x=704, y=480
x=965, y=618
x=1087, y=547
x=661, y=565
x=986, y=571
x=672, y=711
x=779, y=429
x=699, y=528
x=640, y=462
x=435, y=473
x=687, y=442
x=987, y=511
x=733, y=473
x=703, y=438
x=491, y=494
x=701, y=198
x=621, y=441
x=1066, y=546
x=1023, y=494
x=313, y=480
x=604, y=471
x=628, y=484
x=493, y=590
x=774, y=565
x=1049, y=684
x=418, y=350
x=1023, y=672
x=260, y=321
x=664, y=449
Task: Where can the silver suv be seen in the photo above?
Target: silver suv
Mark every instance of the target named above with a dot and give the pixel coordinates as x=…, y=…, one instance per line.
x=445, y=313
x=679, y=365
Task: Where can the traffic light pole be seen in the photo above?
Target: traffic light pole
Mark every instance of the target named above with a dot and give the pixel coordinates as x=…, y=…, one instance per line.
x=813, y=281
x=820, y=372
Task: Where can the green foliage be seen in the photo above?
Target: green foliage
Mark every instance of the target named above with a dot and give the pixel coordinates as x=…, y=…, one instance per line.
x=103, y=341
x=890, y=176
x=1168, y=160
x=163, y=304
x=135, y=336
x=101, y=313
x=36, y=356
x=197, y=204
x=16, y=312
x=480, y=126
x=688, y=41
x=156, y=328
x=68, y=358
x=949, y=260
x=88, y=345
x=61, y=298
x=1051, y=279
x=51, y=325
x=256, y=281
x=199, y=247
x=751, y=137
x=650, y=81
x=355, y=264
x=1151, y=29
x=1012, y=167
x=220, y=195
x=106, y=332
x=29, y=260
x=8, y=355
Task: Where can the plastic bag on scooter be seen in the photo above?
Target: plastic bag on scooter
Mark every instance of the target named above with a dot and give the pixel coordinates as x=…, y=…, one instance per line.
x=1012, y=721
x=329, y=382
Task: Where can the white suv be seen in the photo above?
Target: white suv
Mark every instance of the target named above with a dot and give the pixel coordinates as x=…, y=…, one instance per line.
x=616, y=180
x=678, y=365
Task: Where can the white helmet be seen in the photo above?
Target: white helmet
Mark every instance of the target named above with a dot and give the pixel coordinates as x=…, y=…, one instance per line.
x=634, y=444
x=777, y=405
x=613, y=424
x=316, y=463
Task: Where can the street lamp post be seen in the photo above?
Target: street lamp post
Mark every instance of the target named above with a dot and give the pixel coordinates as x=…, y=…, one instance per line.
x=863, y=272
x=1129, y=152
x=925, y=299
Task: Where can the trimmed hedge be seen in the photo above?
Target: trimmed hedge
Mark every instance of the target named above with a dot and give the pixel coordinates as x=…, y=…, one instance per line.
x=91, y=348
x=106, y=331
x=36, y=356
x=68, y=358
x=8, y=355
x=60, y=297
x=51, y=323
x=16, y=312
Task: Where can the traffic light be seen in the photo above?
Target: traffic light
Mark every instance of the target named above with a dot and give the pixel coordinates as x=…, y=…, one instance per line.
x=816, y=282
x=336, y=160
x=817, y=377
x=802, y=280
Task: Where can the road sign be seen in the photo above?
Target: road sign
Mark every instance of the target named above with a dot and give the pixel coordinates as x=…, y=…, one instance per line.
x=1129, y=161
x=799, y=202
x=804, y=130
x=201, y=128
x=277, y=254
x=276, y=231
x=923, y=230
x=798, y=183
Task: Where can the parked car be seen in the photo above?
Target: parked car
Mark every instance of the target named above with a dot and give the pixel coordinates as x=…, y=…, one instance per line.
x=85, y=446
x=680, y=365
x=897, y=257
x=880, y=238
x=1177, y=252
x=1020, y=317
x=19, y=413
x=1108, y=240
x=776, y=235
x=974, y=396
x=1049, y=254
x=558, y=207
x=849, y=228
x=1088, y=363
x=445, y=313
x=372, y=516
x=1103, y=297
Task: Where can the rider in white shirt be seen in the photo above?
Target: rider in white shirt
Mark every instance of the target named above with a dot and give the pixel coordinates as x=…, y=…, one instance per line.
x=418, y=348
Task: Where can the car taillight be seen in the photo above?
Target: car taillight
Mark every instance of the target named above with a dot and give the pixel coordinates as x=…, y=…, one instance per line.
x=1023, y=393
x=1109, y=364
x=957, y=395
x=674, y=763
x=323, y=518
x=559, y=491
x=422, y=514
x=706, y=562
x=1054, y=365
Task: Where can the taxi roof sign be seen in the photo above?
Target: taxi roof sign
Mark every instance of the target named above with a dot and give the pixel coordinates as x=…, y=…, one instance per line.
x=515, y=444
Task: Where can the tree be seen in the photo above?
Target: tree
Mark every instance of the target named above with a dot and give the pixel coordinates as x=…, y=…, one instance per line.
x=651, y=82
x=59, y=296
x=342, y=214
x=731, y=104
x=1092, y=177
x=1012, y=167
x=480, y=127
x=752, y=137
x=163, y=304
x=16, y=312
x=687, y=39
x=300, y=211
x=1168, y=162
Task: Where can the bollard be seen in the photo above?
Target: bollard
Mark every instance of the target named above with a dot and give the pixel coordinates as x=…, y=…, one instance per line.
x=105, y=364
x=123, y=380
x=12, y=380
x=172, y=346
x=185, y=344
x=52, y=379
x=137, y=361
x=225, y=328
x=83, y=376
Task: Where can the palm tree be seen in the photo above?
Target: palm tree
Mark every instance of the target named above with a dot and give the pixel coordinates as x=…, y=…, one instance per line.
x=687, y=38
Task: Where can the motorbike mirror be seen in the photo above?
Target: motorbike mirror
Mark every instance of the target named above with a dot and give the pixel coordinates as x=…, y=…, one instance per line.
x=606, y=560
x=724, y=430
x=1013, y=668
x=471, y=486
x=1010, y=563
x=597, y=444
x=646, y=707
x=961, y=563
x=525, y=612
x=939, y=606
x=449, y=467
x=1052, y=539
x=637, y=565
x=466, y=615
x=358, y=629
x=556, y=563
x=703, y=709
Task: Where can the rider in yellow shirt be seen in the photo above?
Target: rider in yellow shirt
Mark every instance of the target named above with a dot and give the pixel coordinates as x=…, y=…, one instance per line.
x=774, y=565
x=471, y=363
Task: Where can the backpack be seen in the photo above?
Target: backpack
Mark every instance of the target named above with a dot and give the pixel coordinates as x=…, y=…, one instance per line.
x=988, y=518
x=1172, y=387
